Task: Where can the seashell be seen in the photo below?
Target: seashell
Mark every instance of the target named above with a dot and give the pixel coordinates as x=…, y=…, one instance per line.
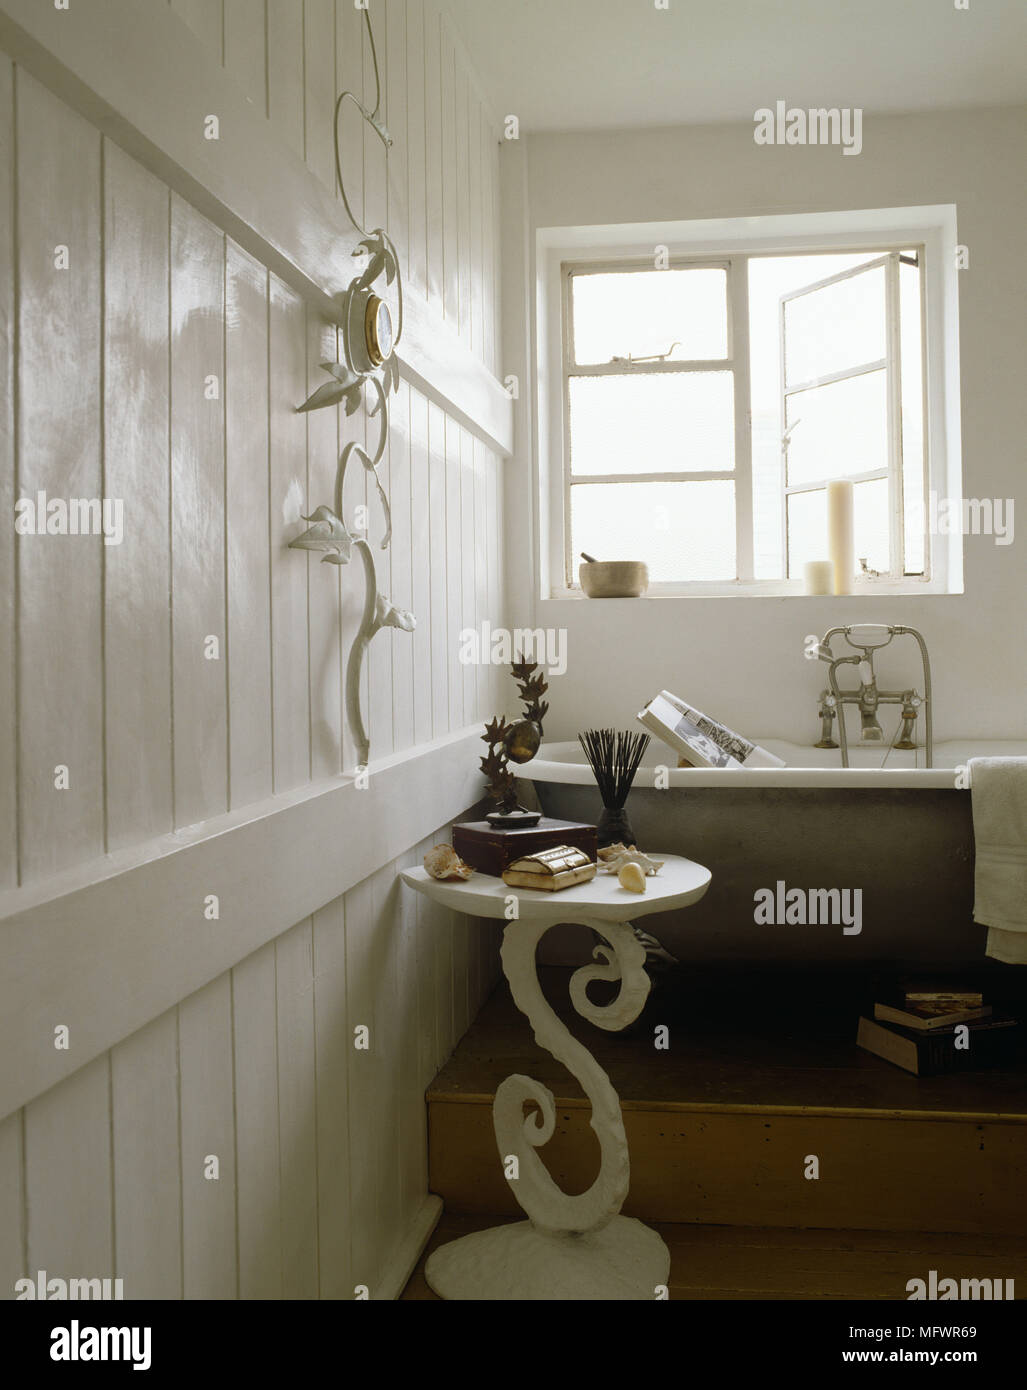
x=631, y=877
x=614, y=857
x=443, y=862
x=611, y=851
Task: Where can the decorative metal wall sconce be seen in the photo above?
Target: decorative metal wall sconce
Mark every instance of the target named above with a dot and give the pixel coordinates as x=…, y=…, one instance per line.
x=514, y=743
x=368, y=363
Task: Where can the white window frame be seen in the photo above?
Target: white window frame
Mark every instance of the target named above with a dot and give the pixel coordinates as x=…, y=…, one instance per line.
x=736, y=362
x=718, y=240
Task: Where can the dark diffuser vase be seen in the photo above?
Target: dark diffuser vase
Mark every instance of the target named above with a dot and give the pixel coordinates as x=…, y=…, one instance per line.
x=614, y=758
x=614, y=828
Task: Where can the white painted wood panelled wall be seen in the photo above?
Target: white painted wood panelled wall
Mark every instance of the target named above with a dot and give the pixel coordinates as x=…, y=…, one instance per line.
x=102, y=668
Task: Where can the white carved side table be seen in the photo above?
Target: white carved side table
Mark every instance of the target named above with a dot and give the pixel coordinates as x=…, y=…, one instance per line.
x=571, y=1247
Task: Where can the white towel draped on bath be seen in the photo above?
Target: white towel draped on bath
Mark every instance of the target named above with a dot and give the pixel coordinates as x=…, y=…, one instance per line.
x=998, y=793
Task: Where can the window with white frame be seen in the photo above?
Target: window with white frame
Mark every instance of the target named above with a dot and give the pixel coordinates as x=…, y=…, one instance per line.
x=708, y=403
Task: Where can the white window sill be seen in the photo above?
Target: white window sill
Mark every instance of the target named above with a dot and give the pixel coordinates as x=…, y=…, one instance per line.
x=770, y=588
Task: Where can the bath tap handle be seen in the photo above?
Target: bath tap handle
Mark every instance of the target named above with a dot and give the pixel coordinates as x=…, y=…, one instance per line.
x=869, y=635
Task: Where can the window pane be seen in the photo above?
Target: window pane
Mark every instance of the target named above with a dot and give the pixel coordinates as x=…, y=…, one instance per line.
x=666, y=422
x=912, y=417
x=807, y=530
x=838, y=429
x=681, y=530
x=643, y=312
x=870, y=502
x=835, y=328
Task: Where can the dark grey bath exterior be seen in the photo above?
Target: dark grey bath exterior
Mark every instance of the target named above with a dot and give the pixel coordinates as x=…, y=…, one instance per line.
x=909, y=850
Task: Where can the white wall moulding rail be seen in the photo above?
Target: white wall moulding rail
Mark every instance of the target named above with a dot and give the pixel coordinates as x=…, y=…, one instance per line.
x=140, y=75
x=113, y=944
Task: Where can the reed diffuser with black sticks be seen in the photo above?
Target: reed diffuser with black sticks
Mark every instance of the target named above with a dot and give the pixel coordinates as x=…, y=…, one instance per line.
x=614, y=758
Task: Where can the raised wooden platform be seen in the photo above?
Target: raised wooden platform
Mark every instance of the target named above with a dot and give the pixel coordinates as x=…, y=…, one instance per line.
x=760, y=1074
x=736, y=1262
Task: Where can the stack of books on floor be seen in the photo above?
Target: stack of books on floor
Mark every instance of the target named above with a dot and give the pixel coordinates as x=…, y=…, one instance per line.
x=937, y=1031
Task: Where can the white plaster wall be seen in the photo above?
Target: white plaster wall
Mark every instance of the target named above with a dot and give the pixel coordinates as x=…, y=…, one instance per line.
x=741, y=658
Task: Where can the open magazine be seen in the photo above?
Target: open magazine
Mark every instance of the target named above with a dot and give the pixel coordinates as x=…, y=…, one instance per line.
x=699, y=740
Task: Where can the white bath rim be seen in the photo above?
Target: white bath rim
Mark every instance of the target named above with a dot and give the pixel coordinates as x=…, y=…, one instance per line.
x=804, y=766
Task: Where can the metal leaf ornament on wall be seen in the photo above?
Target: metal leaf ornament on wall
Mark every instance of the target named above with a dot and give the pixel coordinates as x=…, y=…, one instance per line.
x=368, y=345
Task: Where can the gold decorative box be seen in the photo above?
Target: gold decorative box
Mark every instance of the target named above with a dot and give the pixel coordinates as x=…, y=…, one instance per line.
x=550, y=869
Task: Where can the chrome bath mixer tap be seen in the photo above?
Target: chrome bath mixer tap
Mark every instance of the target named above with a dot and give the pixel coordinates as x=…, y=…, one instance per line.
x=865, y=639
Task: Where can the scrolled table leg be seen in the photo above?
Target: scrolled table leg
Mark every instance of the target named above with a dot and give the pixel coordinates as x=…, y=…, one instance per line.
x=573, y=1246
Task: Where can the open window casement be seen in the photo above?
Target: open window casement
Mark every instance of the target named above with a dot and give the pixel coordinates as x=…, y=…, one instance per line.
x=846, y=342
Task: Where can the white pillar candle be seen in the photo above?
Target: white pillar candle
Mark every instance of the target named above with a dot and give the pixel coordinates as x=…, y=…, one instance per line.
x=840, y=535
x=819, y=576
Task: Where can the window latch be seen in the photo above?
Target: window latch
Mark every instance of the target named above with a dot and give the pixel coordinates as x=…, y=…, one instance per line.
x=653, y=356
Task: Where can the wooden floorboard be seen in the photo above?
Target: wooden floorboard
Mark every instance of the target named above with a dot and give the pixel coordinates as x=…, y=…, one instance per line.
x=737, y=1263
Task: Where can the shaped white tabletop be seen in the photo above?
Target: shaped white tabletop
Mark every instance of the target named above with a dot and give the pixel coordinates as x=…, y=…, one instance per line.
x=679, y=883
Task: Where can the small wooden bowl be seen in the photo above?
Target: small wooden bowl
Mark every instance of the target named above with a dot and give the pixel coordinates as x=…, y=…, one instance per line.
x=614, y=578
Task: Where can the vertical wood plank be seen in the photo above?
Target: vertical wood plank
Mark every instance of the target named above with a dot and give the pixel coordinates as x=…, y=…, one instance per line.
x=207, y=1126
x=385, y=898
x=68, y=1185
x=460, y=929
x=396, y=111
x=289, y=501
x=490, y=233
x=378, y=666
x=205, y=18
x=319, y=78
x=420, y=567
x=8, y=706
x=413, y=1124
x=323, y=581
x=446, y=991
x=297, y=1127
x=349, y=68
x=438, y=567
x=147, y=1162
x=433, y=133
x=498, y=608
x=470, y=544
x=258, y=1175
x=402, y=593
x=366, y=1068
x=463, y=197
x=477, y=221
x=285, y=71
x=454, y=574
x=375, y=182
x=485, y=540
x=416, y=171
x=378, y=663
x=428, y=1048
x=137, y=639
x=246, y=48
x=12, y=1205
x=450, y=185
x=197, y=513
x=60, y=699
x=352, y=580
x=424, y=962
x=246, y=528
x=333, y=1041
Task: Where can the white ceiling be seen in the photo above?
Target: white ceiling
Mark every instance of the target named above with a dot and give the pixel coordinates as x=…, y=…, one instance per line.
x=588, y=64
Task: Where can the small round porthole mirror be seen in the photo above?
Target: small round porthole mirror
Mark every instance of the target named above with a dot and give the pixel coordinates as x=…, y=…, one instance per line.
x=378, y=333
x=370, y=335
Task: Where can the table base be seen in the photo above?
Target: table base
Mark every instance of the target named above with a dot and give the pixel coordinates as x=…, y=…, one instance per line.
x=623, y=1260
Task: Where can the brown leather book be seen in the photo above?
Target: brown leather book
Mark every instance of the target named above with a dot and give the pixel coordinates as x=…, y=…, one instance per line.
x=489, y=849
